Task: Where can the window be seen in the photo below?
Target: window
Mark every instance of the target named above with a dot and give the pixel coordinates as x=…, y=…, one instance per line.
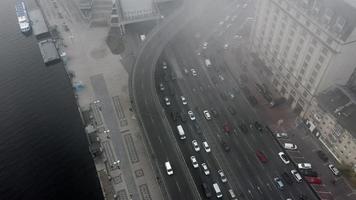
x=296, y=56
x=293, y=63
x=296, y=85
x=288, y=76
x=314, y=42
x=292, y=92
x=283, y=25
x=314, y=73
x=318, y=31
x=304, y=33
x=305, y=94
x=311, y=50
x=308, y=86
x=329, y=40
x=301, y=41
x=300, y=78
x=312, y=80
x=302, y=71
x=305, y=65
x=280, y=68
x=281, y=32
x=291, y=33
x=298, y=49
x=307, y=58
x=307, y=23
x=321, y=59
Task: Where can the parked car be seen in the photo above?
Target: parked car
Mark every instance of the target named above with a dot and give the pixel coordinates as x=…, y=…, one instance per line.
x=184, y=100
x=161, y=87
x=281, y=135
x=183, y=117
x=214, y=113
x=197, y=128
x=222, y=176
x=226, y=127
x=231, y=110
x=207, y=115
x=313, y=180
x=194, y=161
x=261, y=156
x=194, y=72
x=308, y=172
x=243, y=128
x=252, y=99
x=284, y=157
x=290, y=146
x=206, y=190
x=167, y=101
x=304, y=166
x=258, y=126
x=164, y=65
x=191, y=115
x=225, y=146
x=296, y=175
x=334, y=170
x=322, y=156
x=287, y=178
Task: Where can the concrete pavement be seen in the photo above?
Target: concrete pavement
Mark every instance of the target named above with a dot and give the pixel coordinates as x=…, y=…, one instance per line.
x=105, y=79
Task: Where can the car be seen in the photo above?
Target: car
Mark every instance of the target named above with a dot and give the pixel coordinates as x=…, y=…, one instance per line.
x=214, y=112
x=226, y=46
x=195, y=146
x=322, y=156
x=258, y=126
x=221, y=77
x=225, y=146
x=205, y=45
x=194, y=72
x=194, y=161
x=243, y=128
x=245, y=5
x=164, y=65
x=252, y=99
x=206, y=146
x=334, y=170
x=167, y=101
x=206, y=190
x=191, y=115
x=279, y=183
x=174, y=116
x=168, y=168
x=221, y=23
x=261, y=156
x=207, y=115
x=313, y=180
x=304, y=166
x=308, y=172
x=161, y=87
x=231, y=110
x=184, y=100
x=186, y=71
x=223, y=96
x=281, y=135
x=205, y=169
x=296, y=175
x=290, y=146
x=197, y=128
x=227, y=127
x=284, y=158
x=173, y=76
x=222, y=176
x=183, y=117
x=232, y=194
x=287, y=178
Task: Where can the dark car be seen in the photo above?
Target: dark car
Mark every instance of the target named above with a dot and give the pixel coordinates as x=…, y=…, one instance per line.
x=313, y=180
x=227, y=127
x=174, y=116
x=287, y=178
x=322, y=156
x=243, y=128
x=223, y=96
x=252, y=99
x=214, y=112
x=206, y=190
x=261, y=156
x=173, y=76
x=225, y=146
x=308, y=172
x=183, y=117
x=197, y=128
x=231, y=110
x=258, y=126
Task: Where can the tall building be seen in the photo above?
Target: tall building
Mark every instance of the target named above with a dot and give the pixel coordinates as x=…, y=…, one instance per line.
x=305, y=45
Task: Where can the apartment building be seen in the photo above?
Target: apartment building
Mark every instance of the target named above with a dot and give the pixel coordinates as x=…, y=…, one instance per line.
x=331, y=118
x=305, y=45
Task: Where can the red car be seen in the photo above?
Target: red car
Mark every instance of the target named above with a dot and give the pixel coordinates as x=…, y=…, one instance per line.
x=261, y=156
x=313, y=180
x=227, y=127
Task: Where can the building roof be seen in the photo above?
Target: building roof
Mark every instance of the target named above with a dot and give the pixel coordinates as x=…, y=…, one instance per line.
x=39, y=25
x=340, y=102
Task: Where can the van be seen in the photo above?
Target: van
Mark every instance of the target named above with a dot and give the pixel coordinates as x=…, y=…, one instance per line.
x=217, y=190
x=168, y=168
x=207, y=63
x=181, y=132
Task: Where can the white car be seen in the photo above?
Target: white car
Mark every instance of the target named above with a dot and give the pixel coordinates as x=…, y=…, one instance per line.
x=222, y=176
x=164, y=65
x=206, y=146
x=205, y=45
x=194, y=72
x=290, y=146
x=281, y=135
x=167, y=101
x=195, y=146
x=194, y=161
x=191, y=115
x=226, y=46
x=221, y=77
x=161, y=87
x=227, y=18
x=205, y=169
x=304, y=166
x=245, y=5
x=221, y=23
x=334, y=170
x=228, y=25
x=168, y=168
x=184, y=100
x=207, y=115
x=284, y=157
x=296, y=175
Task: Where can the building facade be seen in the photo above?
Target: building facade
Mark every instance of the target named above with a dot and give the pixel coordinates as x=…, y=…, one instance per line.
x=306, y=45
x=332, y=117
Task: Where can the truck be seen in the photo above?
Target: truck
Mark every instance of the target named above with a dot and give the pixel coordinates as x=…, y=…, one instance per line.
x=181, y=132
x=207, y=63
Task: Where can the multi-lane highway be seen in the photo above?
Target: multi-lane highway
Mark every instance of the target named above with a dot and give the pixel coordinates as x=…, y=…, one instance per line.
x=212, y=88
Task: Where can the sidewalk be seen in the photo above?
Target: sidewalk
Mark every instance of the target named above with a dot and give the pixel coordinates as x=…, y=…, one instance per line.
x=124, y=167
